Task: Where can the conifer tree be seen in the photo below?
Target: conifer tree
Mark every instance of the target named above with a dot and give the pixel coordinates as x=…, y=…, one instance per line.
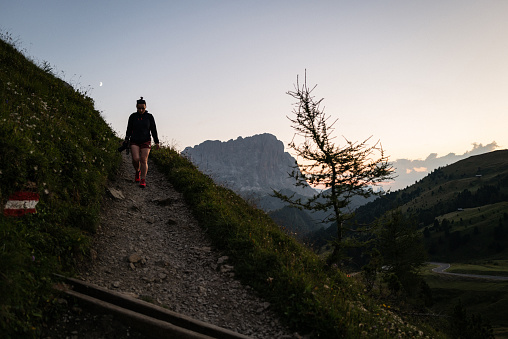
x=401, y=247
x=344, y=171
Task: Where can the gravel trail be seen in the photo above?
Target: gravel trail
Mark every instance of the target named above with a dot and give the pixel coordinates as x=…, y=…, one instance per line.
x=149, y=246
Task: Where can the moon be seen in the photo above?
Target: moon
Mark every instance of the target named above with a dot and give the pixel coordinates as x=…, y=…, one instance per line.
x=100, y=83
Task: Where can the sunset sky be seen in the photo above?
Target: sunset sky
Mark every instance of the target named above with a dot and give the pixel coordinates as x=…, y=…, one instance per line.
x=424, y=77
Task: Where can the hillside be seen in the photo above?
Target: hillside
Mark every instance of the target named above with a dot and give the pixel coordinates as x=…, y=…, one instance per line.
x=463, y=203
x=57, y=146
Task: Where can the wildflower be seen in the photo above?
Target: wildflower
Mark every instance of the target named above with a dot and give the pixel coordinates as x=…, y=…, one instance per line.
x=35, y=168
x=46, y=191
x=33, y=257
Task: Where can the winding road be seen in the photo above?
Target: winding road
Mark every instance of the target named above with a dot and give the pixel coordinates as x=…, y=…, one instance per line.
x=442, y=267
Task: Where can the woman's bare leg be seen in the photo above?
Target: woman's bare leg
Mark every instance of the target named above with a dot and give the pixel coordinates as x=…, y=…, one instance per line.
x=135, y=157
x=144, y=162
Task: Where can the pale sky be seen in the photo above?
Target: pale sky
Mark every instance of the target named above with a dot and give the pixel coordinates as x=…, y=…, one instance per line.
x=421, y=76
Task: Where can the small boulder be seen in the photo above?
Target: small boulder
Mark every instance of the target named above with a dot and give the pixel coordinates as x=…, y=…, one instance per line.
x=222, y=260
x=117, y=194
x=134, y=258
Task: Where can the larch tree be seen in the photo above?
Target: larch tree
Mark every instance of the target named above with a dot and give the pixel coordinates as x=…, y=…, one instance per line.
x=343, y=171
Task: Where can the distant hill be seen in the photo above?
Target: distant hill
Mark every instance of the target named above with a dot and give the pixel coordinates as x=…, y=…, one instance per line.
x=459, y=207
x=471, y=182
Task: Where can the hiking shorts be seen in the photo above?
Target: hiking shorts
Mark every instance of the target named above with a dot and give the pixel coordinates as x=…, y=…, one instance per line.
x=143, y=144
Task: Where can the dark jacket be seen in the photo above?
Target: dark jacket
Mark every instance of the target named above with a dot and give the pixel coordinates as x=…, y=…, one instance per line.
x=139, y=128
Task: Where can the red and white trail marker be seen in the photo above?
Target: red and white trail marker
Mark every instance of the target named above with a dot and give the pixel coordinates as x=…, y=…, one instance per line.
x=21, y=203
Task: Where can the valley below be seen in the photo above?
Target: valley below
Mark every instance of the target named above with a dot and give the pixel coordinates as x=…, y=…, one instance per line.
x=484, y=294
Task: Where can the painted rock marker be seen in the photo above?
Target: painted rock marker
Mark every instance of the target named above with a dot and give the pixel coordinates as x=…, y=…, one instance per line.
x=21, y=203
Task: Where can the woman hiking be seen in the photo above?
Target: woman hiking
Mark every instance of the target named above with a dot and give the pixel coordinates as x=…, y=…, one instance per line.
x=139, y=127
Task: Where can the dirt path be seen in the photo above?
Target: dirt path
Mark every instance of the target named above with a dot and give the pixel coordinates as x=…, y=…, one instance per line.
x=149, y=246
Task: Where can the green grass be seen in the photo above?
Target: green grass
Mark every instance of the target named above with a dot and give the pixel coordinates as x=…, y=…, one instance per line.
x=478, y=225
x=478, y=213
x=491, y=267
x=54, y=143
x=486, y=297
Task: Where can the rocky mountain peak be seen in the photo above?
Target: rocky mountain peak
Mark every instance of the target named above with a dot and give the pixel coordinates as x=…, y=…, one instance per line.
x=255, y=164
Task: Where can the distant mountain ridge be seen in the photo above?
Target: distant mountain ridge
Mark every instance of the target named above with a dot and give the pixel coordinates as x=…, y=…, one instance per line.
x=251, y=165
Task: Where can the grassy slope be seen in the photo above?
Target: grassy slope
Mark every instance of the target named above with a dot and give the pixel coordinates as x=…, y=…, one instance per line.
x=54, y=143
x=478, y=224
x=490, y=267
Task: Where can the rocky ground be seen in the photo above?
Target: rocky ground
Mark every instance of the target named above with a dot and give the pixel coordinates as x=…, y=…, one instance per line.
x=149, y=246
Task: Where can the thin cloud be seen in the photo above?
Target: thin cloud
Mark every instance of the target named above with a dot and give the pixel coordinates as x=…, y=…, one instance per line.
x=409, y=171
x=420, y=169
